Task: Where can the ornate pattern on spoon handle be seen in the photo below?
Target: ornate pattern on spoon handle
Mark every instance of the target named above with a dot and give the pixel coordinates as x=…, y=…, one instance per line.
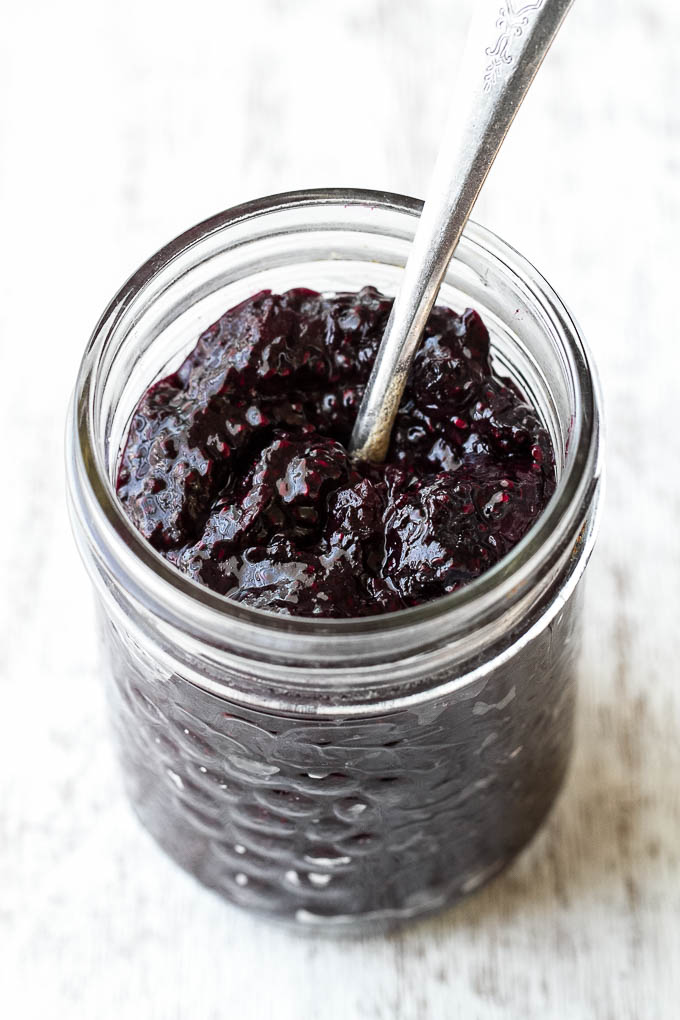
x=511, y=23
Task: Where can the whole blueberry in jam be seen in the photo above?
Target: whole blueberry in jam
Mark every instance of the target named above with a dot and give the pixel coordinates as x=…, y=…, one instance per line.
x=236, y=467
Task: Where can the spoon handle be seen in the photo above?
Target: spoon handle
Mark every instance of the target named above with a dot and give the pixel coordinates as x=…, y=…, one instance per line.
x=506, y=45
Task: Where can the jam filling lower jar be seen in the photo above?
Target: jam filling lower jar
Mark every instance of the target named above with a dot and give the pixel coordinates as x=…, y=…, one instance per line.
x=338, y=773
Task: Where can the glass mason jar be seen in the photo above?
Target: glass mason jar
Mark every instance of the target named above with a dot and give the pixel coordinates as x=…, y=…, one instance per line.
x=338, y=774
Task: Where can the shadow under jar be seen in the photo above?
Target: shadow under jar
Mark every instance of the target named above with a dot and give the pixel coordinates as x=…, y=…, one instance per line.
x=337, y=774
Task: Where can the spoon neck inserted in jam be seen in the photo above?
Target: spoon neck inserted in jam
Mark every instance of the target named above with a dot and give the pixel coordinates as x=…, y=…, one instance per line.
x=505, y=49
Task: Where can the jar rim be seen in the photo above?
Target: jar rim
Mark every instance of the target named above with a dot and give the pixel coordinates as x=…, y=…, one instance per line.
x=154, y=583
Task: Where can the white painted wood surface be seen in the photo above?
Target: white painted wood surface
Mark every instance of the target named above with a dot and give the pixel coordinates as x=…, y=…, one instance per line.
x=119, y=126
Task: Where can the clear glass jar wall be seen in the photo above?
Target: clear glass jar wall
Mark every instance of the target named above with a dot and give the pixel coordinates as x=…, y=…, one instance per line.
x=343, y=773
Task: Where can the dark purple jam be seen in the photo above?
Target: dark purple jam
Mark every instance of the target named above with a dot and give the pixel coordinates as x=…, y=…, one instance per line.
x=236, y=466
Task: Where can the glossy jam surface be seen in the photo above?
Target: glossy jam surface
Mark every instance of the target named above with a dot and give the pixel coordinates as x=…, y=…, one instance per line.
x=236, y=467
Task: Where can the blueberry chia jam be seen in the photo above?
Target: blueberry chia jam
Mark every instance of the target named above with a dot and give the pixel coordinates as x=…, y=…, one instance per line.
x=342, y=694
x=236, y=466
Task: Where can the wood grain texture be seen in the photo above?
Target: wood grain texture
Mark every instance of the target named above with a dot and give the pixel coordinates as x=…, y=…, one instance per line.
x=120, y=126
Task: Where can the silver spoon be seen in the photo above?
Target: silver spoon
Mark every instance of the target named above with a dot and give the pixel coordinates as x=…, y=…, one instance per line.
x=504, y=50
